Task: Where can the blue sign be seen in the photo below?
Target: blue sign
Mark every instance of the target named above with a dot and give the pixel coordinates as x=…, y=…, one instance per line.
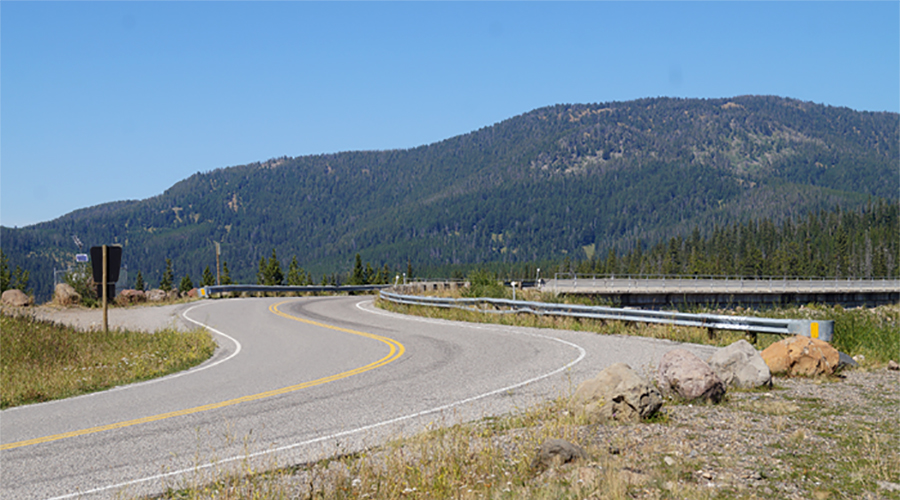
x=81, y=257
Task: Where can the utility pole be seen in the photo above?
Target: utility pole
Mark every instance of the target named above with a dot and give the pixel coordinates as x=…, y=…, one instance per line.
x=218, y=273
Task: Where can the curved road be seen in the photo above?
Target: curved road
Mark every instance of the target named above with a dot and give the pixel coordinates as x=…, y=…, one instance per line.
x=294, y=380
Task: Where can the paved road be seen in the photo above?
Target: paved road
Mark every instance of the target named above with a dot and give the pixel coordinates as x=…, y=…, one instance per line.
x=294, y=380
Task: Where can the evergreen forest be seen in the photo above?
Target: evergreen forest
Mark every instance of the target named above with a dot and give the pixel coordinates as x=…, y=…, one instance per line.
x=750, y=185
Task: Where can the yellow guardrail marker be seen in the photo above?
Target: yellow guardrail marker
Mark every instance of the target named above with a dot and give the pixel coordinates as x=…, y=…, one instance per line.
x=814, y=330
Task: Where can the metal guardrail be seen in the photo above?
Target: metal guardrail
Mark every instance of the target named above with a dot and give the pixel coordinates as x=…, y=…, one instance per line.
x=208, y=291
x=822, y=330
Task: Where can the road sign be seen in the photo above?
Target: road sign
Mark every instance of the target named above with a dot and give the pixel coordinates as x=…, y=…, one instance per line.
x=113, y=259
x=82, y=257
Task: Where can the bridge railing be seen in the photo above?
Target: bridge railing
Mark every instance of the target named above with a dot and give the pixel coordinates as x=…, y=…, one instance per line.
x=822, y=330
x=209, y=291
x=564, y=282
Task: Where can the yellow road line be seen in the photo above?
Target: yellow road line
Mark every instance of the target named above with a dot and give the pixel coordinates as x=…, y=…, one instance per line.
x=396, y=350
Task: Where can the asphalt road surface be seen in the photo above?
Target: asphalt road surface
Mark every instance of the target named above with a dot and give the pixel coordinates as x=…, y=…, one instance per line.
x=295, y=380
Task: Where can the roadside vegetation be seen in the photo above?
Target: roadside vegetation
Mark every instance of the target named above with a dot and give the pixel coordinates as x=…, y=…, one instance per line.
x=873, y=333
x=43, y=361
x=806, y=438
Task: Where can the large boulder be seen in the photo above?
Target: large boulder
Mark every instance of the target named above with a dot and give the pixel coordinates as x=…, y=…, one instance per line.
x=689, y=376
x=65, y=295
x=173, y=295
x=801, y=355
x=740, y=365
x=129, y=296
x=617, y=393
x=156, y=295
x=15, y=298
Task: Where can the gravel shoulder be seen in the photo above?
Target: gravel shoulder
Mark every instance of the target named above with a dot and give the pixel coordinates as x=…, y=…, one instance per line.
x=144, y=318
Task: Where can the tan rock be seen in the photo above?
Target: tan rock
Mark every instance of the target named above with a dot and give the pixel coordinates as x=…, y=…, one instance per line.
x=800, y=355
x=65, y=295
x=131, y=297
x=15, y=298
x=617, y=393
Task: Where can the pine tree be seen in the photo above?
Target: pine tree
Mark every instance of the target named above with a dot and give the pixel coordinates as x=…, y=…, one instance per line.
x=226, y=276
x=5, y=275
x=358, y=276
x=207, y=279
x=165, y=284
x=261, y=272
x=273, y=274
x=369, y=274
x=139, y=282
x=18, y=279
x=296, y=276
x=186, y=284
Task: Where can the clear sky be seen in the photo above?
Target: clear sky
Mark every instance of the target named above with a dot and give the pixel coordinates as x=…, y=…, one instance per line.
x=120, y=100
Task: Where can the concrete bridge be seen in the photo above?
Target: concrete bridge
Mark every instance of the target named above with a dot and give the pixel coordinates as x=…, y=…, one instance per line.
x=753, y=292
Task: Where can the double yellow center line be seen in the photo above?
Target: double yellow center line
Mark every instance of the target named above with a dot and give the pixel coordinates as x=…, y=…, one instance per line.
x=396, y=350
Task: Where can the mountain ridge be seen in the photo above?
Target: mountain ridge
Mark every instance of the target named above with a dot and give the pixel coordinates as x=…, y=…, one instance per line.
x=538, y=185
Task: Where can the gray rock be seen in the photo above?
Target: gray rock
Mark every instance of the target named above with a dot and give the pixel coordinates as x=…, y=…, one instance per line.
x=617, y=393
x=689, y=376
x=845, y=361
x=156, y=295
x=555, y=452
x=741, y=365
x=173, y=295
x=15, y=298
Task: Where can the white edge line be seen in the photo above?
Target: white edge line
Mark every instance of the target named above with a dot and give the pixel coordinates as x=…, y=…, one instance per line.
x=581, y=356
x=189, y=371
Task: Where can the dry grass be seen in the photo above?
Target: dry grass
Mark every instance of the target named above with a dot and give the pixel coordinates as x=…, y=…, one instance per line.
x=42, y=360
x=801, y=440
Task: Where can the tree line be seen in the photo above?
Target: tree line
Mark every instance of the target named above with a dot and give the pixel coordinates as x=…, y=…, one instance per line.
x=862, y=243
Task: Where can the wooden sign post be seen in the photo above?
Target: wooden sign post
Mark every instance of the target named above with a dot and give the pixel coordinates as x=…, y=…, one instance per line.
x=105, y=262
x=105, y=292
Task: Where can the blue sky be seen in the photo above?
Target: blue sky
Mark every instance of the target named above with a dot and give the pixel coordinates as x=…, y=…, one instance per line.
x=120, y=100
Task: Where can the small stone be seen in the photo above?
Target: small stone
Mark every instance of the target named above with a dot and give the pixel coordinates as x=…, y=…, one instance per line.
x=557, y=452
x=669, y=461
x=885, y=485
x=892, y=365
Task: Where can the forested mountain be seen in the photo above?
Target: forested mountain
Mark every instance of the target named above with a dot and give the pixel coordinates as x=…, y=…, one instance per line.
x=575, y=180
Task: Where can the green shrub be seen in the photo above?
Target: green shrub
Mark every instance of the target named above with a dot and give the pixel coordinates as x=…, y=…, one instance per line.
x=484, y=284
